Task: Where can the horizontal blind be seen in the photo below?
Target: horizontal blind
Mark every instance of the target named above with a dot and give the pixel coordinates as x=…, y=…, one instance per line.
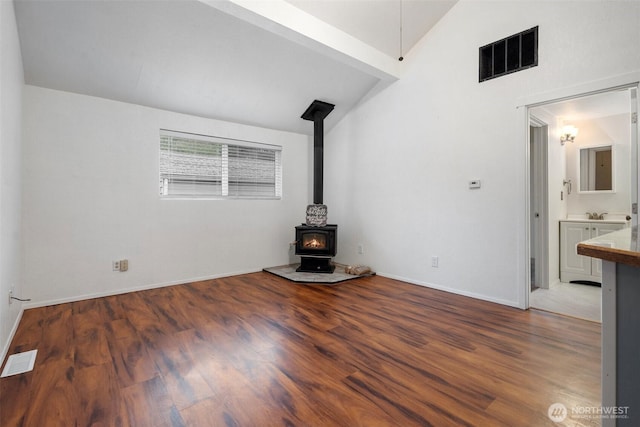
x=205, y=166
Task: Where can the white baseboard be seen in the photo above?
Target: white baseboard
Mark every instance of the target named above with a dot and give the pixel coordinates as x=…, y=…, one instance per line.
x=452, y=290
x=132, y=289
x=5, y=347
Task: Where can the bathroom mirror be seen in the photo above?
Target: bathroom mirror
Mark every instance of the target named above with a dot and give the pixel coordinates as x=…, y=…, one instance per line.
x=596, y=170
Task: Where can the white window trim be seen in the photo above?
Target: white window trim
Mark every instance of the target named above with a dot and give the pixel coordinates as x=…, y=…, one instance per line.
x=225, y=142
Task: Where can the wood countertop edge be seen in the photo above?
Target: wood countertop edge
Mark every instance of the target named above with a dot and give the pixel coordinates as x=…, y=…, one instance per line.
x=610, y=254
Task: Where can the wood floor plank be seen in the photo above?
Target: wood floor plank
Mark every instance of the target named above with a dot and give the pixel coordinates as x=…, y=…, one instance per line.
x=255, y=349
x=58, y=335
x=148, y=405
x=53, y=395
x=91, y=345
x=177, y=363
x=100, y=397
x=30, y=331
x=131, y=361
x=15, y=399
x=112, y=308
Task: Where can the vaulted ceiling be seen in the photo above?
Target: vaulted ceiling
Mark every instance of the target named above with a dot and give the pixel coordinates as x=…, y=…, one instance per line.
x=258, y=63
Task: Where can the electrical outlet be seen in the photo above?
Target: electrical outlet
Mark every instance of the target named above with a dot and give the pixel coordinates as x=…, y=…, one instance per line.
x=360, y=248
x=434, y=261
x=124, y=264
x=116, y=265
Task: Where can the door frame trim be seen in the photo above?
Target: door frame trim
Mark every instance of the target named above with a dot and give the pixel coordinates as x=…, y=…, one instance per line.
x=523, y=105
x=542, y=254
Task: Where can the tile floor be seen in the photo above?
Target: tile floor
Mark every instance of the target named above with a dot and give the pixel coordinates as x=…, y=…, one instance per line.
x=581, y=301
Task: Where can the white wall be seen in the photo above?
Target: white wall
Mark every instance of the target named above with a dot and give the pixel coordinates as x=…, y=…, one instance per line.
x=91, y=196
x=398, y=165
x=613, y=130
x=11, y=84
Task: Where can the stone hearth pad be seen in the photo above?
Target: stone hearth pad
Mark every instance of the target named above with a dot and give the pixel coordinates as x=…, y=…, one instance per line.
x=289, y=272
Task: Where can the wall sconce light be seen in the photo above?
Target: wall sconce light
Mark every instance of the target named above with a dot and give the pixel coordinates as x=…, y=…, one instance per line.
x=568, y=134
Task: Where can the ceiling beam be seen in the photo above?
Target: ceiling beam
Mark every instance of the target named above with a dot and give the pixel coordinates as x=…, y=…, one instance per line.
x=286, y=20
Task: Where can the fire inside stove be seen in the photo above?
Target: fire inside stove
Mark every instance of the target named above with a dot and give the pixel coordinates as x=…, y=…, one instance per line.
x=314, y=241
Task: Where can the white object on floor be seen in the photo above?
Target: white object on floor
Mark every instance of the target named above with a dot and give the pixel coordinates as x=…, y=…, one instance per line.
x=19, y=363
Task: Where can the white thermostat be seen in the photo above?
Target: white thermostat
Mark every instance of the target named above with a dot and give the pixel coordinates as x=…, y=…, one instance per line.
x=474, y=184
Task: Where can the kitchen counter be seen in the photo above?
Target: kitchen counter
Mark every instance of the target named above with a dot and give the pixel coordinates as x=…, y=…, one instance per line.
x=620, y=246
x=620, y=254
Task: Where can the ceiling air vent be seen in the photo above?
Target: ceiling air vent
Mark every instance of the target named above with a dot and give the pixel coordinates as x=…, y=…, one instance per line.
x=511, y=54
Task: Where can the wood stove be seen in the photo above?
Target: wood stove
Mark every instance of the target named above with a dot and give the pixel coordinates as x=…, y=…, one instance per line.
x=316, y=246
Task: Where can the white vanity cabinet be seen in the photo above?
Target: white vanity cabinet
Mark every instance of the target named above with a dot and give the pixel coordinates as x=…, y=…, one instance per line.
x=578, y=267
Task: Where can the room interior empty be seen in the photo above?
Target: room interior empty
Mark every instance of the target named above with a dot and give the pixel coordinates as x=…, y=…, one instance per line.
x=156, y=156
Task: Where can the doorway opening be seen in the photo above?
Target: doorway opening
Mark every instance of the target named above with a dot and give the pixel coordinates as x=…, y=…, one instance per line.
x=560, y=206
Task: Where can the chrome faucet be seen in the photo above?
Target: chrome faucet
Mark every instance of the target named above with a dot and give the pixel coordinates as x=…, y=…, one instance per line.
x=595, y=215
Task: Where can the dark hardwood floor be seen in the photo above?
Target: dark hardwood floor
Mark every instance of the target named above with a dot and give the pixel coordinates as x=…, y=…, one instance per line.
x=257, y=350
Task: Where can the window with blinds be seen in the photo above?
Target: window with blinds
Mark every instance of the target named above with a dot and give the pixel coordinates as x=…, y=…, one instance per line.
x=211, y=167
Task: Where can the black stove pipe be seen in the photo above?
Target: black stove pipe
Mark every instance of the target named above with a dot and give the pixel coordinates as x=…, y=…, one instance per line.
x=317, y=112
x=318, y=161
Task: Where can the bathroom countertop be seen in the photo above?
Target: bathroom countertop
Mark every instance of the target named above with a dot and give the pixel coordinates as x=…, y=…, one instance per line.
x=621, y=246
x=609, y=221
